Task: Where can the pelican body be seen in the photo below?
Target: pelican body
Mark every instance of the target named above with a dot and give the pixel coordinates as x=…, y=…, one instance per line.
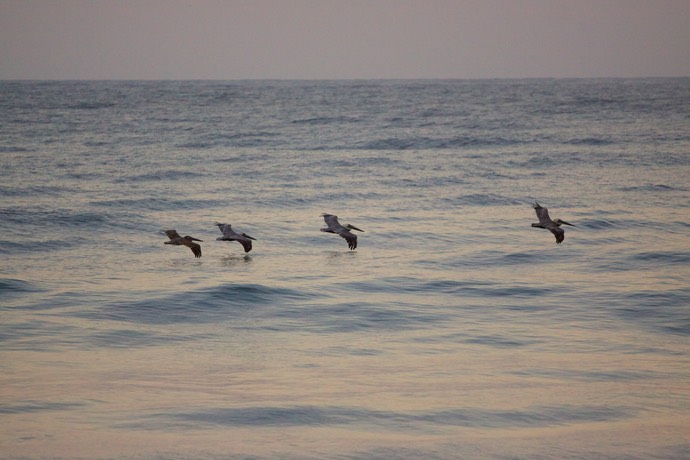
x=554, y=226
x=177, y=240
x=344, y=231
x=230, y=235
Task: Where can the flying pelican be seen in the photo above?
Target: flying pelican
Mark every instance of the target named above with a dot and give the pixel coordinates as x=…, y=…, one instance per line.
x=554, y=226
x=230, y=235
x=177, y=240
x=344, y=231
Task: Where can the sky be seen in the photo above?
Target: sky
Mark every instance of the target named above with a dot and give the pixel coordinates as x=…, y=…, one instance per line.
x=342, y=39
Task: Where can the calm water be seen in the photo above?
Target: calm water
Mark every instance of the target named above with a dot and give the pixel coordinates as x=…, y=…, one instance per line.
x=455, y=330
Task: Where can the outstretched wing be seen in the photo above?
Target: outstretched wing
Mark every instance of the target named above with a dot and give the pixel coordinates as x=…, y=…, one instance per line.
x=542, y=214
x=557, y=232
x=196, y=249
x=227, y=231
x=246, y=243
x=172, y=234
x=332, y=222
x=350, y=237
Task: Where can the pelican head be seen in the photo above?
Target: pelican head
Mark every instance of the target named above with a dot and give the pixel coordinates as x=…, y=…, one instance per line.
x=352, y=227
x=560, y=222
x=191, y=238
x=247, y=236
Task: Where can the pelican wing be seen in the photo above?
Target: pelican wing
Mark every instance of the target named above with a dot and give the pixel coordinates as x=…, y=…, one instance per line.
x=542, y=214
x=557, y=232
x=246, y=243
x=172, y=234
x=332, y=222
x=196, y=249
x=227, y=231
x=350, y=237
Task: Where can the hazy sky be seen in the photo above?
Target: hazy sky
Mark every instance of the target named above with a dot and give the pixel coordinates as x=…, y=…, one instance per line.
x=237, y=39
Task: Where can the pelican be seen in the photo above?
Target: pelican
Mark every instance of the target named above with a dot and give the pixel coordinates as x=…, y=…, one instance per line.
x=230, y=235
x=554, y=226
x=344, y=231
x=177, y=240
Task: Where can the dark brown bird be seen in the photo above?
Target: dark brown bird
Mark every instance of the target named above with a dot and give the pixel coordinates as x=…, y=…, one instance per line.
x=554, y=226
x=177, y=240
x=344, y=231
x=231, y=235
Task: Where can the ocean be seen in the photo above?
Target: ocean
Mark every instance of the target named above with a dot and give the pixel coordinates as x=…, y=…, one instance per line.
x=454, y=330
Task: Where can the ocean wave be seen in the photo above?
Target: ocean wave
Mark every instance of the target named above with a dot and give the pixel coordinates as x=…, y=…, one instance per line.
x=128, y=338
x=85, y=176
x=661, y=310
x=445, y=286
x=40, y=336
x=652, y=188
x=220, y=303
x=27, y=407
x=34, y=190
x=623, y=224
x=620, y=375
x=15, y=288
x=157, y=204
x=351, y=162
x=349, y=317
x=38, y=246
x=171, y=174
x=475, y=337
x=53, y=218
x=490, y=290
x=600, y=224
x=325, y=120
x=14, y=149
x=499, y=259
x=295, y=416
x=483, y=199
x=91, y=105
x=500, y=341
x=243, y=156
x=590, y=141
x=237, y=140
x=660, y=257
x=429, y=143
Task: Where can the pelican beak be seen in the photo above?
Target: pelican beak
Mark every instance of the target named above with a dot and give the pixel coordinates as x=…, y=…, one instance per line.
x=195, y=239
x=352, y=227
x=567, y=223
x=247, y=236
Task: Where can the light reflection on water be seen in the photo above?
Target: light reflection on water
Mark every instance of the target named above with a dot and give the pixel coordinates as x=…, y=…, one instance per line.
x=454, y=331
x=382, y=352
x=393, y=345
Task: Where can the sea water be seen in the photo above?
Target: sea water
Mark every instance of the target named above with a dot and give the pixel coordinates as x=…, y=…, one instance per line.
x=454, y=330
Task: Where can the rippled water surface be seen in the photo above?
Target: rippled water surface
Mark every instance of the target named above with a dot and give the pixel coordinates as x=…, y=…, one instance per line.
x=454, y=330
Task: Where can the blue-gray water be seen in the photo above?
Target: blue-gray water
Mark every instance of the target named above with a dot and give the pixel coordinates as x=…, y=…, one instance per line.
x=455, y=330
